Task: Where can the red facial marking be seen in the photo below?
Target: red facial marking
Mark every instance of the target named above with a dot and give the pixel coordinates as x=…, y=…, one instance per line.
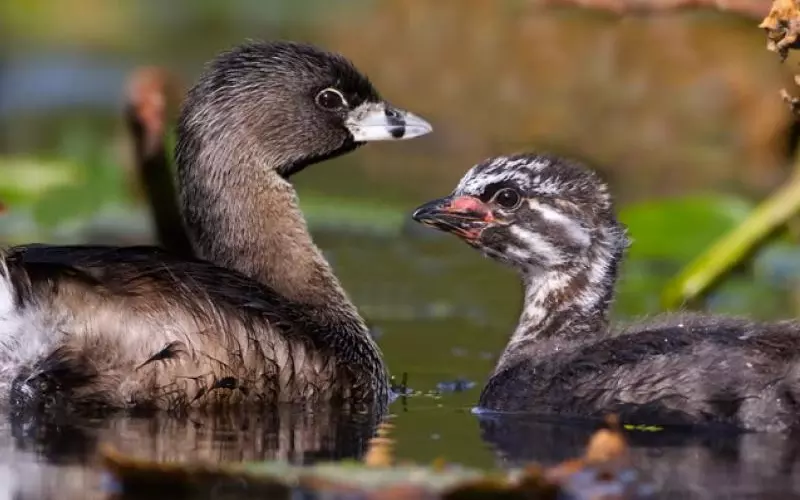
x=471, y=234
x=471, y=204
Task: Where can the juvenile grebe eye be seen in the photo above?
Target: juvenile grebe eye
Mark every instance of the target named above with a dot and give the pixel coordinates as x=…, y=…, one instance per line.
x=331, y=99
x=507, y=198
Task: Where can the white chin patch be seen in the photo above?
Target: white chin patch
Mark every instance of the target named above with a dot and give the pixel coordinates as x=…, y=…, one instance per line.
x=377, y=122
x=6, y=292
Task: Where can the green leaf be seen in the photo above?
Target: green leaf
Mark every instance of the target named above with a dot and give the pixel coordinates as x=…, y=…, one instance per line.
x=678, y=229
x=642, y=428
x=24, y=180
x=729, y=249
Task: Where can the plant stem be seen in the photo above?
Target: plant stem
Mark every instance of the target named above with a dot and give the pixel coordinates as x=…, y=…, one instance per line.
x=700, y=274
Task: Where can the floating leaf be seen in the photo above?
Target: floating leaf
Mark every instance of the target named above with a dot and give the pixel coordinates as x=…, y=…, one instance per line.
x=643, y=428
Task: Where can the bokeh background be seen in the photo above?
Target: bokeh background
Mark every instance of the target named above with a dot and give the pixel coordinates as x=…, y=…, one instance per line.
x=678, y=109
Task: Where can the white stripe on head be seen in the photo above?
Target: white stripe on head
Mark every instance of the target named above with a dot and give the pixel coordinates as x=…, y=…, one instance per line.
x=548, y=187
x=547, y=253
x=516, y=170
x=575, y=230
x=475, y=185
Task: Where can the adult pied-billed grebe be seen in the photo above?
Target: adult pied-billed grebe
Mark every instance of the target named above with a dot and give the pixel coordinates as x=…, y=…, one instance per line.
x=264, y=319
x=553, y=221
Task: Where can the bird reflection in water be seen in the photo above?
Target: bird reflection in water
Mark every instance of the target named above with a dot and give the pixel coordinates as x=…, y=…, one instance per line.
x=56, y=458
x=680, y=463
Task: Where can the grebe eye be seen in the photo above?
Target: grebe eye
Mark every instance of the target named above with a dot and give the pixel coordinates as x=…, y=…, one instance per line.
x=507, y=198
x=331, y=99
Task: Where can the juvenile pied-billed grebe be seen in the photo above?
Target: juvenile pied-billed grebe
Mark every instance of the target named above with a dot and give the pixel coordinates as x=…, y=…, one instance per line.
x=553, y=220
x=264, y=319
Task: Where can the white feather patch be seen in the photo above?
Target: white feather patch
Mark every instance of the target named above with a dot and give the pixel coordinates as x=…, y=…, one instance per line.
x=575, y=230
x=475, y=185
x=6, y=296
x=23, y=337
x=9, y=317
x=547, y=253
x=501, y=169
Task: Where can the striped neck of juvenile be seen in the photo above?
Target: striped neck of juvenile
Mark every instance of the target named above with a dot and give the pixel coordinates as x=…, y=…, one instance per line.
x=568, y=301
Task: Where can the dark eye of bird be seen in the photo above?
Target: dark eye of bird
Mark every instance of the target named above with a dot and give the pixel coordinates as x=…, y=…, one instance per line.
x=507, y=198
x=330, y=99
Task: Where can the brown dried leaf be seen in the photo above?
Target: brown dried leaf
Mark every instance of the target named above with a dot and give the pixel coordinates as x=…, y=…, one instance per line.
x=606, y=446
x=794, y=102
x=782, y=25
x=381, y=448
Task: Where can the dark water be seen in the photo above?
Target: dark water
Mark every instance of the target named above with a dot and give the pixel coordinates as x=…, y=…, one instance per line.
x=57, y=461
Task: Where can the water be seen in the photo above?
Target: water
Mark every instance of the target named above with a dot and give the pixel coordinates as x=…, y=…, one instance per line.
x=57, y=461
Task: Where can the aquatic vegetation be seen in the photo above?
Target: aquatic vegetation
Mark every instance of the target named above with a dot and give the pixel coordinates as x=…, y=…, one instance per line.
x=603, y=472
x=660, y=231
x=782, y=26
x=734, y=247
